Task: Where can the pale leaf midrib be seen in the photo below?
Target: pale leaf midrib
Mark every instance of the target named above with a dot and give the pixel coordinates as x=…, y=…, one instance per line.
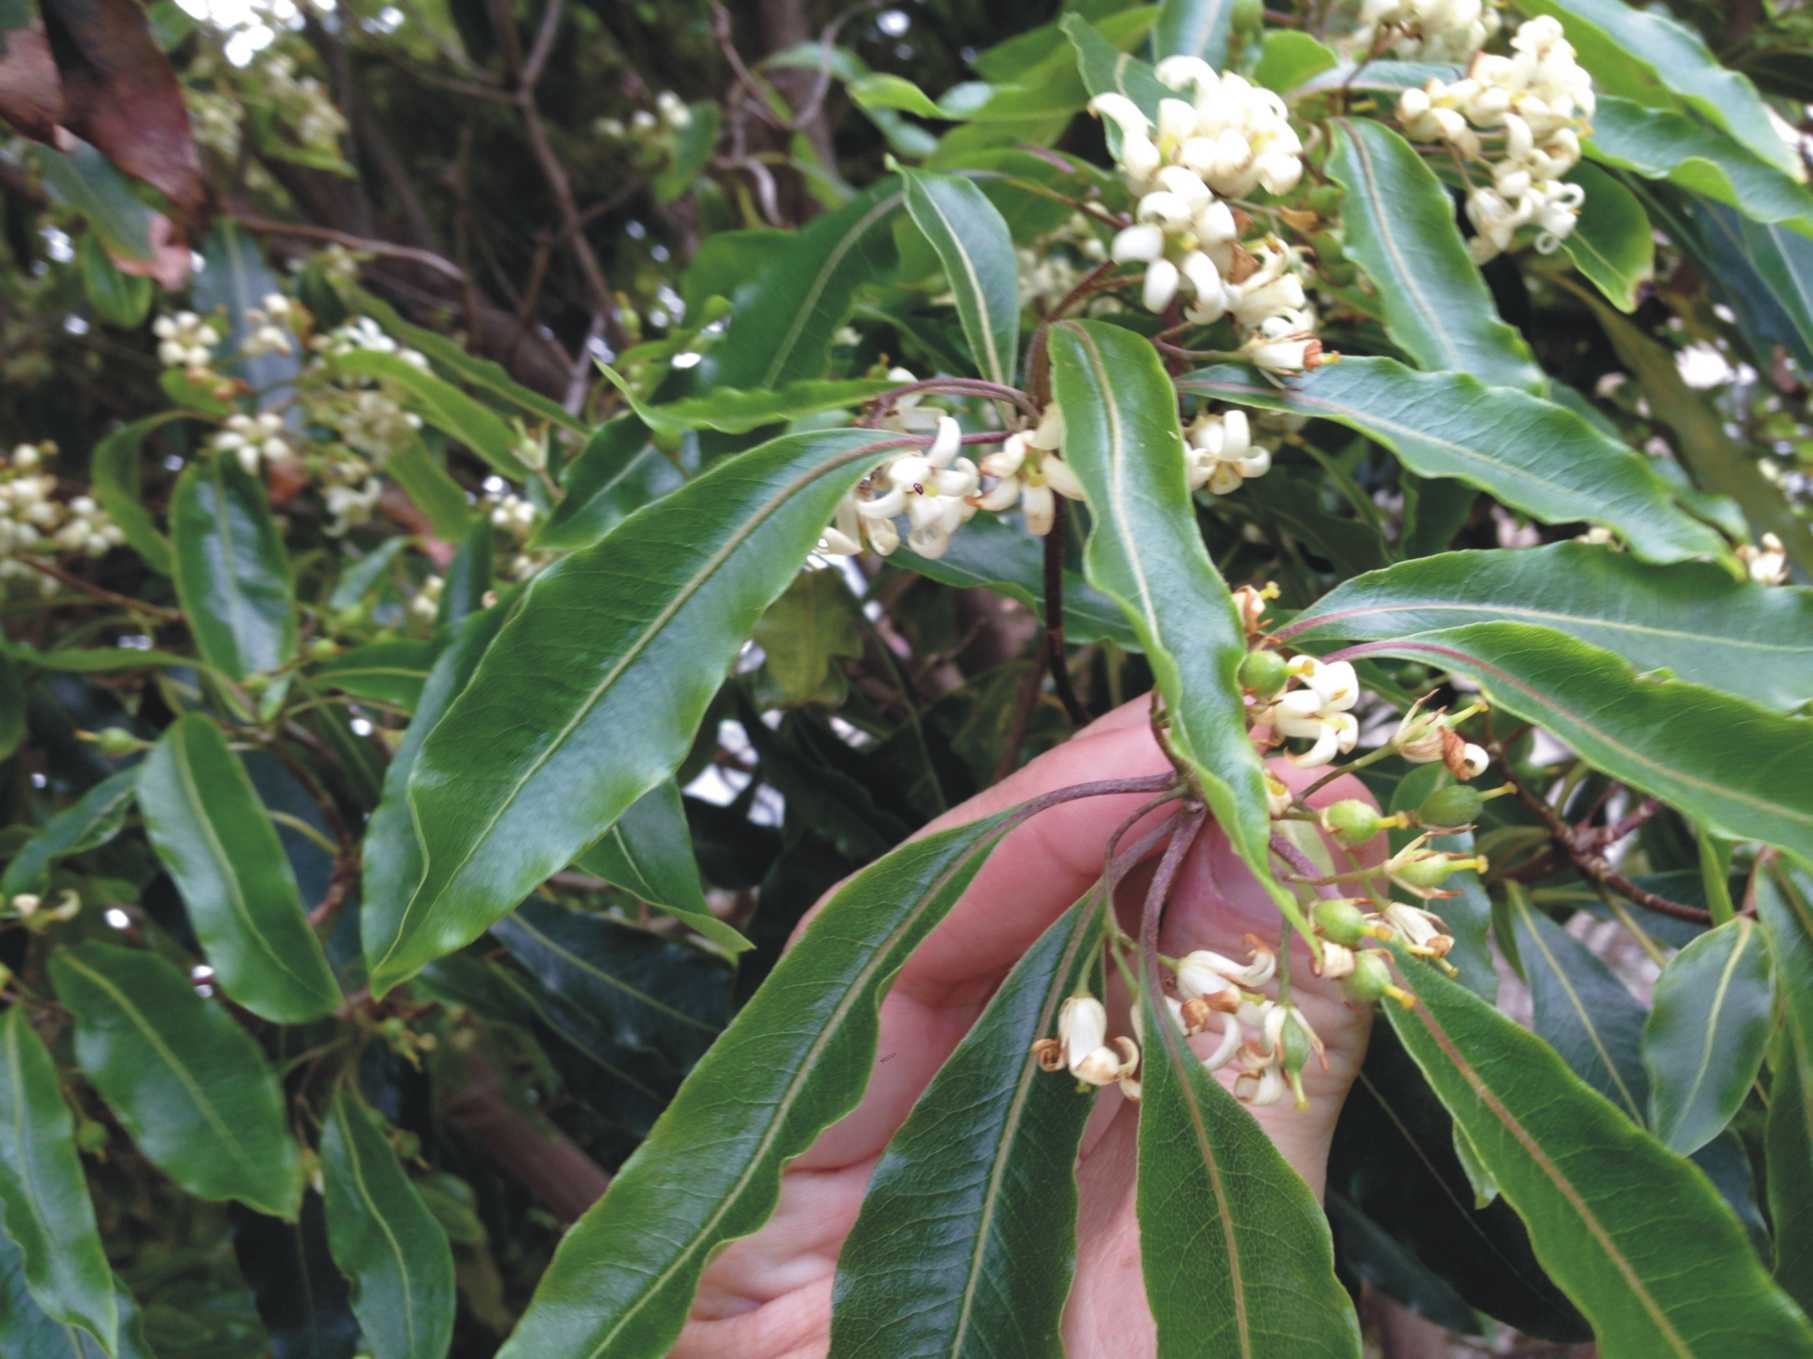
x=984, y=323
x=1580, y=1011
x=365, y=1196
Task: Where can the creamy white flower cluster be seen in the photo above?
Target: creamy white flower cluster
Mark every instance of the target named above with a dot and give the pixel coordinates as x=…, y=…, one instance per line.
x=303, y=103
x=215, y=121
x=514, y=514
x=1423, y=30
x=34, y=522
x=1029, y=470
x=271, y=323
x=1048, y=268
x=254, y=439
x=1767, y=562
x=934, y=489
x=185, y=340
x=670, y=112
x=1534, y=103
x=368, y=416
x=1228, y=139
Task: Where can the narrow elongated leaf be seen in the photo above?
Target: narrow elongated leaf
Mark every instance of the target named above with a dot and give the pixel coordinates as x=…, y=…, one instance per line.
x=44, y=1203
x=1145, y=552
x=977, y=250
x=301, y=1299
x=995, y=553
x=210, y=829
x=1789, y=1141
x=618, y=470
x=1616, y=41
x=1400, y=230
x=1612, y=243
x=967, y=1237
x=1106, y=69
x=1374, y=1256
x=444, y=406
x=384, y=1239
x=1691, y=620
x=436, y=494
x=27, y=1330
x=1716, y=460
x=1386, y=77
x=795, y=1060
x=1636, y=1236
x=189, y=1085
x=1582, y=1011
x=1236, y=1253
x=648, y=853
x=91, y=822
x=232, y=574
x=1658, y=144
x=362, y=575
x=1533, y=455
x=1703, y=1043
x=236, y=280
x=114, y=470
x=621, y=981
x=785, y=315
x=467, y=579
x=1763, y=273
x=735, y=411
x=1784, y=904
x=391, y=671
x=584, y=705
x=1194, y=28
x=1725, y=761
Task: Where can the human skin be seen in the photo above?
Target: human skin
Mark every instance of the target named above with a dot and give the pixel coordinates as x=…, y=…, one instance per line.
x=768, y=1296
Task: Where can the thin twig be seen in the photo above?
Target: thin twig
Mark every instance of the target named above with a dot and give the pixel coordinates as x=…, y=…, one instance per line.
x=1055, y=657
x=270, y=226
x=88, y=587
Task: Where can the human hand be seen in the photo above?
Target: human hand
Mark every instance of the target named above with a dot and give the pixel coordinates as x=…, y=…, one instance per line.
x=769, y=1296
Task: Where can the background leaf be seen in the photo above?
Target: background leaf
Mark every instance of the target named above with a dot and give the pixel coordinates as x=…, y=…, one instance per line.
x=94, y=819
x=232, y=573
x=1612, y=243
x=114, y=467
x=977, y=250
x=188, y=1083
x=444, y=406
x=1194, y=28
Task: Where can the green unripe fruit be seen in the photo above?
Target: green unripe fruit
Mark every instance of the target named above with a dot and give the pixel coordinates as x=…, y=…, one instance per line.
x=1351, y=821
x=116, y=741
x=323, y=649
x=1296, y=1045
x=1325, y=200
x=1341, y=921
x=1455, y=805
x=91, y=1136
x=1431, y=872
x=1328, y=247
x=1371, y=979
x=1263, y=673
x=352, y=616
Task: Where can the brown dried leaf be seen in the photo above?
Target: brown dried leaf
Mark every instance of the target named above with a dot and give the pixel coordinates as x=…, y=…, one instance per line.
x=31, y=94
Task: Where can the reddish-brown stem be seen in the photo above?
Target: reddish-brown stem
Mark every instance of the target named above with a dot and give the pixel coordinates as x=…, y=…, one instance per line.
x=1055, y=658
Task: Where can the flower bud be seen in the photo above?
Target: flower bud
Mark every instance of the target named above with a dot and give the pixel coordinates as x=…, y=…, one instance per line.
x=117, y=741
x=1351, y=821
x=1082, y=1028
x=1341, y=921
x=1263, y=674
x=1371, y=981
x=1455, y=805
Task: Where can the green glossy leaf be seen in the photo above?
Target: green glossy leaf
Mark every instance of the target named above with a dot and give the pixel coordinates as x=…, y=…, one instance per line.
x=1582, y=1011
x=523, y=774
x=114, y=468
x=1703, y=1043
x=1145, y=552
x=96, y=660
x=619, y=470
x=1720, y=759
x=384, y=1239
x=426, y=481
x=1371, y=1254
x=392, y=857
x=27, y=1331
x=1533, y=455
x=1106, y=69
x=455, y=358
x=210, y=829
x=1400, y=229
x=118, y=298
x=692, y=151
x=93, y=820
x=806, y=634
x=361, y=576
x=784, y=315
x=1763, y=273
x=44, y=1203
x=1386, y=77
x=1236, y=1253
x=1616, y=41
x=735, y=411
x=1691, y=620
x=994, y=552
x=1784, y=904
x=1612, y=243
x=1289, y=58
x=977, y=250
x=1702, y=442
x=795, y=1060
x=1789, y=1141
x=468, y=576
x=1194, y=28
x=232, y=574
x=1618, y=1221
x=967, y=1237
x=618, y=981
x=648, y=853
x=444, y=406
x=184, y=1079
x=881, y=91
x=1657, y=144
x=86, y=182
x=391, y=671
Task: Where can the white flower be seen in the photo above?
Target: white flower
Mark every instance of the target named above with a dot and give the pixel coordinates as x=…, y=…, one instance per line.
x=1318, y=712
x=1428, y=30
x=1766, y=563
x=1221, y=453
x=185, y=340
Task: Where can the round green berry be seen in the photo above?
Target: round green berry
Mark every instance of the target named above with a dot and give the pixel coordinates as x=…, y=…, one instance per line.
x=1351, y=821
x=1455, y=805
x=1263, y=673
x=1342, y=922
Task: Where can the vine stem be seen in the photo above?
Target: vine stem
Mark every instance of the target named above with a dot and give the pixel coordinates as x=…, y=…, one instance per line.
x=1188, y=827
